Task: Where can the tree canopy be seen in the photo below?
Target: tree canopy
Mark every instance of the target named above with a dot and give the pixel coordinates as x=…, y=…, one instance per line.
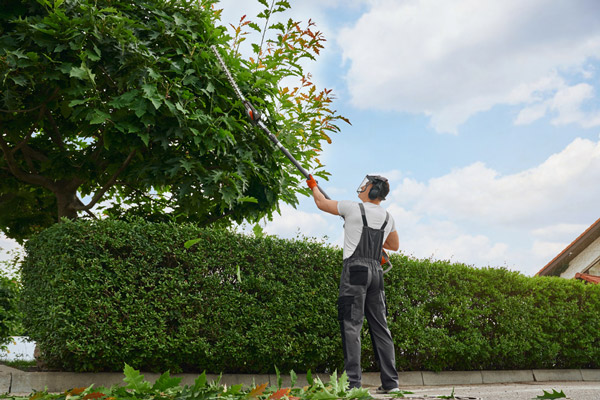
x=122, y=100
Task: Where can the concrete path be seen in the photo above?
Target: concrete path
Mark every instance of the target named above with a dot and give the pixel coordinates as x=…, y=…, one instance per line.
x=504, y=391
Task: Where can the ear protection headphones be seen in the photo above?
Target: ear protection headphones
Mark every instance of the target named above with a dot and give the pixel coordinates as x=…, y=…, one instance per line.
x=379, y=186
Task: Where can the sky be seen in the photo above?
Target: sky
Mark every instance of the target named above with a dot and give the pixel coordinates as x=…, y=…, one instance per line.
x=483, y=114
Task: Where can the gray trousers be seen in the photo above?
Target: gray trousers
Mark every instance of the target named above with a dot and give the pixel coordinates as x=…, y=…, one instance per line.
x=362, y=295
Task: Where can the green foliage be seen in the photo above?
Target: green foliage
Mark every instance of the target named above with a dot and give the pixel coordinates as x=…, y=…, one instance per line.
x=124, y=100
x=167, y=388
x=553, y=395
x=103, y=293
x=454, y=317
x=99, y=294
x=10, y=317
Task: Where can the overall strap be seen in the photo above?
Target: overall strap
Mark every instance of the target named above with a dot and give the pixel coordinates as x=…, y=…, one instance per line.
x=387, y=217
x=362, y=212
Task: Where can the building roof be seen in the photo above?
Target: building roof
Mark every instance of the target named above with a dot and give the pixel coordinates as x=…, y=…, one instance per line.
x=571, y=251
x=588, y=278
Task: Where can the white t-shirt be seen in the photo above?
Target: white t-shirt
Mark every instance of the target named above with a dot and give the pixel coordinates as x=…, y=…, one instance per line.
x=353, y=223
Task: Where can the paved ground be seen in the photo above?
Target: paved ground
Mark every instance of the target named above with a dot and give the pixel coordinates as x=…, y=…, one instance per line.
x=505, y=391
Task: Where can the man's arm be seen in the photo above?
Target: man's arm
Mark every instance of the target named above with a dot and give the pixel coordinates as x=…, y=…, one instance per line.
x=329, y=206
x=324, y=204
x=392, y=242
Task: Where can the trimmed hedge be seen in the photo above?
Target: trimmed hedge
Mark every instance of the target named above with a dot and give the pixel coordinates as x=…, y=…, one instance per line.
x=98, y=294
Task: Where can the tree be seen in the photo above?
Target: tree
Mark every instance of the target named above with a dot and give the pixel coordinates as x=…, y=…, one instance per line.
x=121, y=100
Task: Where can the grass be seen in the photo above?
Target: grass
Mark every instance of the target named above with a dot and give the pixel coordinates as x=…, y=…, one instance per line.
x=23, y=365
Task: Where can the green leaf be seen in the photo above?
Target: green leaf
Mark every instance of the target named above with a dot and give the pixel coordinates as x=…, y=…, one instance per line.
x=135, y=381
x=83, y=72
x=309, y=378
x=187, y=245
x=78, y=72
x=74, y=103
x=125, y=100
x=151, y=93
x=200, y=382
x=343, y=383
x=258, y=231
x=248, y=199
x=254, y=26
x=19, y=53
x=165, y=382
x=152, y=73
x=293, y=378
x=553, y=395
x=99, y=117
x=19, y=80
x=279, y=380
x=145, y=136
x=233, y=390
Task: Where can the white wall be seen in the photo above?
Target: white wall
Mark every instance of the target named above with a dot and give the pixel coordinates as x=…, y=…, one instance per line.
x=18, y=349
x=583, y=260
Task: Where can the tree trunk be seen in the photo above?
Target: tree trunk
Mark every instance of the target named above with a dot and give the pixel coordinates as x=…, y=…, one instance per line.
x=66, y=201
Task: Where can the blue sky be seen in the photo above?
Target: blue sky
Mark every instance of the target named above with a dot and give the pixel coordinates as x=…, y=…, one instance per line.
x=484, y=115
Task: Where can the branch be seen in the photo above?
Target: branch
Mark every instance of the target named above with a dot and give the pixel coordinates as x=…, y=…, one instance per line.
x=108, y=184
x=28, y=136
x=56, y=138
x=99, y=147
x=14, y=169
x=52, y=96
x=36, y=155
x=80, y=203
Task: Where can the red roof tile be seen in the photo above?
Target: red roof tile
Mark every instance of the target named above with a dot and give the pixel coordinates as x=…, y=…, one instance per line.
x=588, y=278
x=591, y=232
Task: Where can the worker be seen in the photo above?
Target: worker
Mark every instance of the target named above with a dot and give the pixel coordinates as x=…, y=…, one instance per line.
x=368, y=228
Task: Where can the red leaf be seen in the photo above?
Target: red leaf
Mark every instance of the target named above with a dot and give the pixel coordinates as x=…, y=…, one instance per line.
x=279, y=394
x=258, y=390
x=95, y=395
x=76, y=391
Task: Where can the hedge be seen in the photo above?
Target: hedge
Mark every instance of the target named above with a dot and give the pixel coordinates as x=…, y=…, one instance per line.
x=9, y=315
x=98, y=294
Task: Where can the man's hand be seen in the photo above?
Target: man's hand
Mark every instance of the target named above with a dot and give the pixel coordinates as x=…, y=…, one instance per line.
x=384, y=257
x=311, y=182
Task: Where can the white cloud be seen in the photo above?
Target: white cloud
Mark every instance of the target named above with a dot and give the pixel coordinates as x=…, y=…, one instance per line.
x=563, y=232
x=547, y=250
x=291, y=222
x=453, y=59
x=478, y=216
x=560, y=189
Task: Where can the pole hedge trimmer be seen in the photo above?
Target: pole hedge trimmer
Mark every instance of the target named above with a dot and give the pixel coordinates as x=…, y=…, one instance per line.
x=255, y=117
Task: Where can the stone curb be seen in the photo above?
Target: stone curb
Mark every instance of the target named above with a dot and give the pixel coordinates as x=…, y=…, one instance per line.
x=15, y=381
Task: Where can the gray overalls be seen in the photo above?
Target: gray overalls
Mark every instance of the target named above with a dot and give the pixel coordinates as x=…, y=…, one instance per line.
x=362, y=294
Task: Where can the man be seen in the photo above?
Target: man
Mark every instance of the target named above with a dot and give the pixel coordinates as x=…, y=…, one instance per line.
x=367, y=229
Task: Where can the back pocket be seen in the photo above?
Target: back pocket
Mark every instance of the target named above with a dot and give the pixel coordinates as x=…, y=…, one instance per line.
x=359, y=275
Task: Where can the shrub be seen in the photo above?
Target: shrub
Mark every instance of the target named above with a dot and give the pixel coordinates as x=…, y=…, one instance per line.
x=9, y=315
x=98, y=294
x=454, y=317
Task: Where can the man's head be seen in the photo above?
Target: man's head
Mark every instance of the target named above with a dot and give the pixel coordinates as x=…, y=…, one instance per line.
x=373, y=188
